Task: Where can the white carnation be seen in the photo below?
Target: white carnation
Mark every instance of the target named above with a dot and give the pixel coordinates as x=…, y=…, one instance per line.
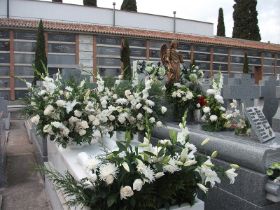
x=152, y=120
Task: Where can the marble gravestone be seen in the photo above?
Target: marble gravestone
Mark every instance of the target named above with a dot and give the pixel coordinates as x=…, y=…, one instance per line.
x=252, y=190
x=268, y=92
x=276, y=117
x=243, y=89
x=3, y=142
x=259, y=124
x=6, y=115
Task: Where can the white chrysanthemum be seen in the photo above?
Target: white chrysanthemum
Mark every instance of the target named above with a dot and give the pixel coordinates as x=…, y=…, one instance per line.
x=48, y=110
x=163, y=109
x=138, y=184
x=108, y=172
x=231, y=175
x=92, y=163
x=171, y=167
x=60, y=103
x=126, y=192
x=206, y=109
x=213, y=118
x=35, y=119
x=146, y=171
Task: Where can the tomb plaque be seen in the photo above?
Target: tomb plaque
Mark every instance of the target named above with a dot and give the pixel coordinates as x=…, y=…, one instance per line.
x=259, y=124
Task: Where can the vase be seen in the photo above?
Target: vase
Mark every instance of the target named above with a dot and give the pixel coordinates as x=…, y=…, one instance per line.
x=197, y=115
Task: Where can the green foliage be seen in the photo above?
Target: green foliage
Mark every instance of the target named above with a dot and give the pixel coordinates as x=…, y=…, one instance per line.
x=129, y=5
x=40, y=54
x=90, y=3
x=245, y=64
x=245, y=18
x=221, y=24
x=274, y=171
x=125, y=59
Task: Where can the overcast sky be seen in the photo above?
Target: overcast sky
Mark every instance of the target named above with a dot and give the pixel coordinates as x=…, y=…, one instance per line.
x=207, y=10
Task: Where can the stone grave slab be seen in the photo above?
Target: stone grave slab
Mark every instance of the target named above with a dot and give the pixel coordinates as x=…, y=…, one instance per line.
x=242, y=89
x=276, y=117
x=268, y=92
x=259, y=124
x=249, y=190
x=6, y=115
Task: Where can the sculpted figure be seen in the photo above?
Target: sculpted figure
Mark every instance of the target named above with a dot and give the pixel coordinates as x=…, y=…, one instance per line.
x=171, y=59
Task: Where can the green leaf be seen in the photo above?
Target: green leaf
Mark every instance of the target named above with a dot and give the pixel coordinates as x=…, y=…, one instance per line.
x=111, y=200
x=149, y=153
x=173, y=135
x=121, y=146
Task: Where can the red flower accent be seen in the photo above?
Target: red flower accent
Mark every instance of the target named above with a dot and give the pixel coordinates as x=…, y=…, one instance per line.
x=202, y=101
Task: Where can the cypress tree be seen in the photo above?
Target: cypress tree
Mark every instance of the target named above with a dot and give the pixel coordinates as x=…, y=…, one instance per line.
x=40, y=53
x=245, y=64
x=125, y=59
x=129, y=5
x=221, y=24
x=92, y=3
x=245, y=18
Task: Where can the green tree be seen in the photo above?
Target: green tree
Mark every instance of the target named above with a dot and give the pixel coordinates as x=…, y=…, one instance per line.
x=40, y=53
x=245, y=18
x=129, y=5
x=125, y=59
x=245, y=64
x=92, y=3
x=221, y=24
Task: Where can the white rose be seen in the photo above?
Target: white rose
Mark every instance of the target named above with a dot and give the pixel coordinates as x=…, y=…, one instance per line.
x=77, y=113
x=73, y=120
x=138, y=184
x=211, y=92
x=82, y=132
x=91, y=118
x=159, y=124
x=213, y=118
x=60, y=103
x=206, y=109
x=65, y=131
x=163, y=109
x=84, y=124
x=35, y=119
x=126, y=192
x=48, y=110
x=219, y=99
x=152, y=120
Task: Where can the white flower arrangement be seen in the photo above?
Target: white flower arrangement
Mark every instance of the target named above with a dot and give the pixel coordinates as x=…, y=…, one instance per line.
x=130, y=174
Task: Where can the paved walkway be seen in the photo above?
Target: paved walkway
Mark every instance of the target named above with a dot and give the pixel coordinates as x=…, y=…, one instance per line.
x=25, y=190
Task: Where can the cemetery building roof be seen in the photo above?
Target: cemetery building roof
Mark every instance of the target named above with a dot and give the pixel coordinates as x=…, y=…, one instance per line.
x=121, y=31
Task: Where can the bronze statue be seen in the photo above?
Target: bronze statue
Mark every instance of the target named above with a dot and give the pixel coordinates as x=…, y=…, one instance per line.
x=171, y=59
